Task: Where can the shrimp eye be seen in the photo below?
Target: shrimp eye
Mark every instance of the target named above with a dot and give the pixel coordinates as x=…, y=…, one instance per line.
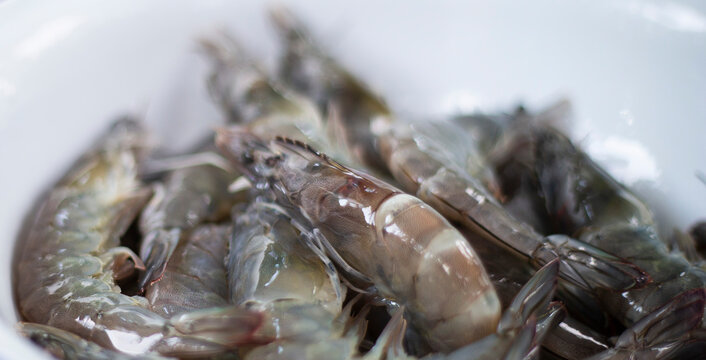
x=247, y=158
x=316, y=166
x=273, y=160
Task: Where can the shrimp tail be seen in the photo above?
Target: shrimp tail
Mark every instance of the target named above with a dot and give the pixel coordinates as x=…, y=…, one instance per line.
x=591, y=267
x=550, y=319
x=533, y=298
x=354, y=327
x=669, y=332
x=286, y=23
x=66, y=345
x=389, y=344
x=231, y=67
x=225, y=327
x=299, y=47
x=123, y=262
x=162, y=244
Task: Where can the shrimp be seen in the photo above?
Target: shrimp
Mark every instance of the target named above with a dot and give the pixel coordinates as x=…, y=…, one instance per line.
x=71, y=258
x=190, y=196
x=65, y=345
x=583, y=200
x=307, y=69
x=390, y=239
x=195, y=276
x=273, y=271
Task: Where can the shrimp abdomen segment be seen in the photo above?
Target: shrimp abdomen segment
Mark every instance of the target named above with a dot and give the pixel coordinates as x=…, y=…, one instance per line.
x=432, y=265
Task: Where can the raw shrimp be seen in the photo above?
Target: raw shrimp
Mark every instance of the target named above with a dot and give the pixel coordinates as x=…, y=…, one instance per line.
x=65, y=345
x=190, y=196
x=195, y=276
x=71, y=259
x=585, y=201
x=307, y=69
x=408, y=251
x=272, y=270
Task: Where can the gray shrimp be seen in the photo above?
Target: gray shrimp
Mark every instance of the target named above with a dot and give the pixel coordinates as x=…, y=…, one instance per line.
x=378, y=234
x=190, y=196
x=583, y=200
x=195, y=276
x=71, y=258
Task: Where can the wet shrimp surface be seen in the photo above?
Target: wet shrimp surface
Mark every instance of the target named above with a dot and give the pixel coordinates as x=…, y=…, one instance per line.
x=315, y=223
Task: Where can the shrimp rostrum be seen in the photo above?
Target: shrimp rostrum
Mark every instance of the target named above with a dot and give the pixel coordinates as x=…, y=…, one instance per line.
x=71, y=259
x=408, y=252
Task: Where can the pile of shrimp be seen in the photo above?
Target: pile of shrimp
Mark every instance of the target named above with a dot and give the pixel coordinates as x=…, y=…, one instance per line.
x=318, y=224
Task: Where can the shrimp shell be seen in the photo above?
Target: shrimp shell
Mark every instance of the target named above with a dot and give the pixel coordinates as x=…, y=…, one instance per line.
x=195, y=276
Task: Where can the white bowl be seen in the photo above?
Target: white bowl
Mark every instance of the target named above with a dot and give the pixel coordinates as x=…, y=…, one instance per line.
x=634, y=71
